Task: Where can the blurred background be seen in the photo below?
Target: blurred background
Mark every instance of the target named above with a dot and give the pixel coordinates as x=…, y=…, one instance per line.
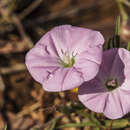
x=24, y=105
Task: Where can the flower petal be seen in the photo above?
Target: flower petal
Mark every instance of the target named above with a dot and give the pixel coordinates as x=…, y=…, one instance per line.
x=40, y=63
x=63, y=79
x=125, y=57
x=75, y=39
x=125, y=100
x=89, y=62
x=92, y=92
x=114, y=106
x=88, y=39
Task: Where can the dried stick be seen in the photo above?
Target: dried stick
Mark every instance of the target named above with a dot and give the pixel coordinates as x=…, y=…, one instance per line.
x=29, y=109
x=19, y=26
x=12, y=69
x=2, y=85
x=29, y=9
x=11, y=17
x=65, y=12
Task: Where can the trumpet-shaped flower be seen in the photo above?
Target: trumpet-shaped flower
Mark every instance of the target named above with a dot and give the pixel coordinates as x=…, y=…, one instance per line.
x=65, y=57
x=109, y=91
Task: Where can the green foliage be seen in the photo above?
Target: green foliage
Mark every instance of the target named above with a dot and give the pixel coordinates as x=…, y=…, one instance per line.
x=54, y=123
x=117, y=30
x=128, y=46
x=120, y=123
x=92, y=120
x=83, y=124
x=114, y=42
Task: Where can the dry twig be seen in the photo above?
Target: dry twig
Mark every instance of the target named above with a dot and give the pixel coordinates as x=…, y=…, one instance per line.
x=12, y=69
x=29, y=9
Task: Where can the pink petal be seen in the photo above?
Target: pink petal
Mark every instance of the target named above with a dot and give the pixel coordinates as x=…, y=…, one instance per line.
x=88, y=68
x=75, y=39
x=114, y=106
x=117, y=68
x=125, y=57
x=63, y=79
x=88, y=62
x=92, y=95
x=124, y=97
x=107, y=62
x=40, y=63
x=88, y=39
x=125, y=85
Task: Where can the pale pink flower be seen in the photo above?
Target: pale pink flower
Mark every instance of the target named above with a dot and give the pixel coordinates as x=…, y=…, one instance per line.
x=109, y=91
x=65, y=57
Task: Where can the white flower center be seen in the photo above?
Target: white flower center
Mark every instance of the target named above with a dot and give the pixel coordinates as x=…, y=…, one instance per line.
x=67, y=59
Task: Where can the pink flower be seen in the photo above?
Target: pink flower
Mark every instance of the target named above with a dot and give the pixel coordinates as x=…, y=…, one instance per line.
x=65, y=57
x=109, y=91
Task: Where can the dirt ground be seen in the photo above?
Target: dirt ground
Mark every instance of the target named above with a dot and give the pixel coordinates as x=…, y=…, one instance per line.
x=24, y=105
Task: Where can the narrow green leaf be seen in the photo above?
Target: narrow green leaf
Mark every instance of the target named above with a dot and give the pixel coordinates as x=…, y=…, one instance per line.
x=94, y=119
x=91, y=118
x=121, y=123
x=84, y=114
x=117, y=30
x=128, y=46
x=54, y=123
x=96, y=128
x=83, y=124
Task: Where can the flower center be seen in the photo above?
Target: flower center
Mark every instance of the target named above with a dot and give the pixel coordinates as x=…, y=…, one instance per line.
x=67, y=60
x=111, y=84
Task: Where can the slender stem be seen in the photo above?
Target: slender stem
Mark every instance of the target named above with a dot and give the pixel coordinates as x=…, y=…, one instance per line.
x=111, y=123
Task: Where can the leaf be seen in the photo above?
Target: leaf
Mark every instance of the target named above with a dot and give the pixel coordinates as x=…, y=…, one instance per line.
x=53, y=124
x=89, y=123
x=117, y=30
x=54, y=121
x=121, y=123
x=94, y=119
x=96, y=128
x=128, y=46
x=91, y=118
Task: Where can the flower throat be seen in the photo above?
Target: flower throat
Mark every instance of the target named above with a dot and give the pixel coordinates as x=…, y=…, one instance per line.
x=111, y=84
x=67, y=60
